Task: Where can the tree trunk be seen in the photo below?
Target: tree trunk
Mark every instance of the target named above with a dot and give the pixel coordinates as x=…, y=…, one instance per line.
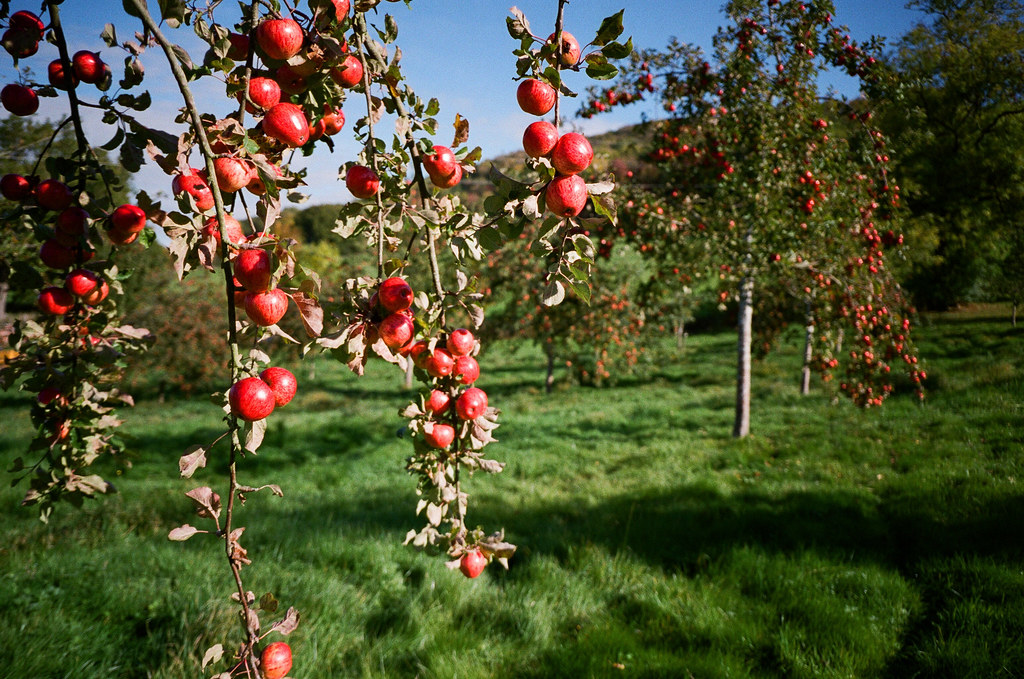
x=3, y=301
x=741, y=426
x=680, y=334
x=549, y=380
x=408, y=374
x=805, y=379
x=1013, y=314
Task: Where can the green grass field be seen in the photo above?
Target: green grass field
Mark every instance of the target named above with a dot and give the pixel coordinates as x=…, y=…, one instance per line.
x=832, y=542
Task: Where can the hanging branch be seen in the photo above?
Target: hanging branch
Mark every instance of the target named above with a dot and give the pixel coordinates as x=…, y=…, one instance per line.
x=236, y=447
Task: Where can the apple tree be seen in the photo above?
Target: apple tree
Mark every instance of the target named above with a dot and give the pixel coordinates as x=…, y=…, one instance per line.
x=759, y=186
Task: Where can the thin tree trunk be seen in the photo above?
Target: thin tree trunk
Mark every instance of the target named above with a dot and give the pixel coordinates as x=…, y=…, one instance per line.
x=408, y=374
x=4, y=287
x=549, y=380
x=1013, y=314
x=680, y=334
x=805, y=380
x=741, y=427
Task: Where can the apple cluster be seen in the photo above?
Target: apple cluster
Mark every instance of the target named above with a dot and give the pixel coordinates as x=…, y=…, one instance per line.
x=21, y=40
x=264, y=303
x=254, y=398
x=291, y=78
x=623, y=94
x=570, y=154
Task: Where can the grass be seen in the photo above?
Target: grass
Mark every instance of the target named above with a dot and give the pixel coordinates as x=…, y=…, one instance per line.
x=832, y=542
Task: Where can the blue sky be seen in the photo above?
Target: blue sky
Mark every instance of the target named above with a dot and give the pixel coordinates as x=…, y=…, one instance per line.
x=458, y=51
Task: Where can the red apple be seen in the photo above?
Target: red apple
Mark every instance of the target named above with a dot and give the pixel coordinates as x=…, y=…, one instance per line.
x=232, y=173
x=282, y=382
x=290, y=79
x=88, y=67
x=19, y=100
x=362, y=182
x=440, y=435
x=197, y=187
x=539, y=139
x=264, y=92
x=471, y=404
x=460, y=342
x=572, y=153
x=15, y=187
x=276, y=660
x=48, y=395
x=53, y=195
x=535, y=97
x=334, y=120
x=396, y=330
x=55, y=255
x=441, y=163
x=566, y=195
x=449, y=181
x=440, y=363
x=72, y=223
x=59, y=77
x=569, y=53
x=19, y=44
x=330, y=11
x=82, y=282
x=419, y=354
x=253, y=269
x=438, y=402
x=256, y=185
x=287, y=123
x=55, y=301
x=251, y=399
x=394, y=294
x=279, y=39
x=233, y=226
x=472, y=563
x=349, y=73
x=128, y=219
x=121, y=238
x=23, y=20
x=467, y=370
x=266, y=308
x=317, y=129
x=239, y=49
x=98, y=294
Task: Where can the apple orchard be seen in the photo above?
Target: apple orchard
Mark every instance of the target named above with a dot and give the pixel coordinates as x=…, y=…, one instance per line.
x=755, y=186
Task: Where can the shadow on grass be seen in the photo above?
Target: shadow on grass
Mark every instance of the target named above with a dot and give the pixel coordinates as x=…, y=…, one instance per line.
x=691, y=529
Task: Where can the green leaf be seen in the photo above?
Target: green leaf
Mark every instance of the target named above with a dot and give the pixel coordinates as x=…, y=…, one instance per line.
x=518, y=26
x=489, y=238
x=115, y=141
x=599, y=71
x=582, y=290
x=611, y=28
x=392, y=29
x=173, y=12
x=109, y=35
x=616, y=50
x=553, y=294
x=130, y=10
x=131, y=157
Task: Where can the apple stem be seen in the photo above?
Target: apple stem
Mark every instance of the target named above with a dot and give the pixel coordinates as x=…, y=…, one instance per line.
x=53, y=138
x=359, y=33
x=253, y=15
x=558, y=61
x=65, y=59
